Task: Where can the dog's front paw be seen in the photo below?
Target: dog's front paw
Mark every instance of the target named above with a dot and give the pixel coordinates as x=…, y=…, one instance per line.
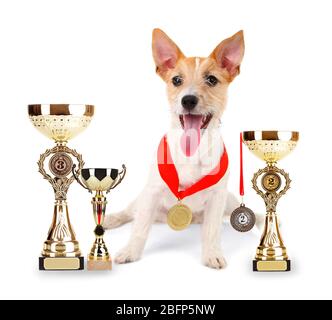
x=214, y=259
x=127, y=254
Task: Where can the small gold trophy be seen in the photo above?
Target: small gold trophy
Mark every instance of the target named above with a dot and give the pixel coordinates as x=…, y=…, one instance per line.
x=60, y=122
x=271, y=146
x=99, y=181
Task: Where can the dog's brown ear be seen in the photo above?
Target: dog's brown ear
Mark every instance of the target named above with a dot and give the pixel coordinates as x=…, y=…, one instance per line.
x=165, y=52
x=229, y=54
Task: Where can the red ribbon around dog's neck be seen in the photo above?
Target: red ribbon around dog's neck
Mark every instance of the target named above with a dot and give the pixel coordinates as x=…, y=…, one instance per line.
x=169, y=174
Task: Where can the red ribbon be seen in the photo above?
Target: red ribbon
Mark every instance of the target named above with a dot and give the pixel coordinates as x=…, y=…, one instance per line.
x=241, y=167
x=169, y=174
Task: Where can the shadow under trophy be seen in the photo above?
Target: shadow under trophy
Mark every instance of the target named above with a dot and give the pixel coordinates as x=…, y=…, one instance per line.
x=99, y=181
x=60, y=122
x=271, y=146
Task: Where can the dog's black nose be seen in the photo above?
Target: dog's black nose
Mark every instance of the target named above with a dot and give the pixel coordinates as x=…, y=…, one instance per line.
x=189, y=102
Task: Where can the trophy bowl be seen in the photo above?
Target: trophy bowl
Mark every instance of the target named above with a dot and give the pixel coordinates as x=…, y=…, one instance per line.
x=99, y=179
x=60, y=122
x=271, y=146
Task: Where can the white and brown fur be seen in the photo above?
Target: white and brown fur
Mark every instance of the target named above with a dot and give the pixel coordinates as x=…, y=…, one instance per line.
x=211, y=205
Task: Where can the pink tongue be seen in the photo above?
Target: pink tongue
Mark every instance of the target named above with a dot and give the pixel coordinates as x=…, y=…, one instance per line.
x=191, y=136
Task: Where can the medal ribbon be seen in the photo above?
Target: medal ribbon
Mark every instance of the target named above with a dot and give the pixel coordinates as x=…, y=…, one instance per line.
x=169, y=174
x=241, y=167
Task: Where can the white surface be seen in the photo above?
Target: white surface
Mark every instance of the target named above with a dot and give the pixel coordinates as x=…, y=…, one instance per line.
x=100, y=52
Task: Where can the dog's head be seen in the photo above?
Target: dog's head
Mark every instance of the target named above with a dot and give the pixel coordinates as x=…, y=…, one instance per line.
x=197, y=87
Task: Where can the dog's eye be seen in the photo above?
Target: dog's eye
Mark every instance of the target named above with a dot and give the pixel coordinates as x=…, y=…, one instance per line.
x=211, y=81
x=177, y=81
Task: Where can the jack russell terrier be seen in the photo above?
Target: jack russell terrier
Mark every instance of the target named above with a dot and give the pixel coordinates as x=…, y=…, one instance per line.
x=197, y=93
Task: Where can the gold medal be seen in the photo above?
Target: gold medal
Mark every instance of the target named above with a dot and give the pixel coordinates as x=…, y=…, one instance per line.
x=179, y=217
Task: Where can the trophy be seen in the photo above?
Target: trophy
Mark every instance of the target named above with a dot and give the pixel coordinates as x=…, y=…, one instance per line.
x=99, y=181
x=271, y=146
x=60, y=122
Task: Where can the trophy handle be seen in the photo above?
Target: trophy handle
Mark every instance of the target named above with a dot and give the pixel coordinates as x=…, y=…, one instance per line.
x=77, y=178
x=120, y=177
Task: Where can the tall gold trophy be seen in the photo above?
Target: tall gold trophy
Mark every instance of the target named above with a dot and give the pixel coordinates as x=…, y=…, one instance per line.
x=99, y=181
x=271, y=146
x=60, y=122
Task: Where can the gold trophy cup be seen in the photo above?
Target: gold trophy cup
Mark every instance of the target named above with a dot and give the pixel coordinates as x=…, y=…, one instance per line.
x=271, y=146
x=60, y=122
x=99, y=181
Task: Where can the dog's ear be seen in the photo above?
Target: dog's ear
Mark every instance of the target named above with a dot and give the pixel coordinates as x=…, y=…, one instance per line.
x=165, y=52
x=229, y=54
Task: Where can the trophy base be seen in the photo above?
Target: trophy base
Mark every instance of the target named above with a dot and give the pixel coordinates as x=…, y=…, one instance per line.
x=271, y=265
x=61, y=264
x=99, y=265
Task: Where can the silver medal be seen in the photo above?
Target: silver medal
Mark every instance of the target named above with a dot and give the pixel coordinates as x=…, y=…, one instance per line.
x=243, y=219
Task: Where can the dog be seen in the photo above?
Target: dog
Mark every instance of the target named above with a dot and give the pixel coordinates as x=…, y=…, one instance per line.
x=197, y=93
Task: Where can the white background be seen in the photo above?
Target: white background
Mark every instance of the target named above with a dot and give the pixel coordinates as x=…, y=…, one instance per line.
x=99, y=52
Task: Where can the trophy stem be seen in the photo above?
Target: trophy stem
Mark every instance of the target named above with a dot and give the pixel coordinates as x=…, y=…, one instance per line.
x=271, y=246
x=99, y=257
x=61, y=249
x=61, y=240
x=61, y=143
x=271, y=254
